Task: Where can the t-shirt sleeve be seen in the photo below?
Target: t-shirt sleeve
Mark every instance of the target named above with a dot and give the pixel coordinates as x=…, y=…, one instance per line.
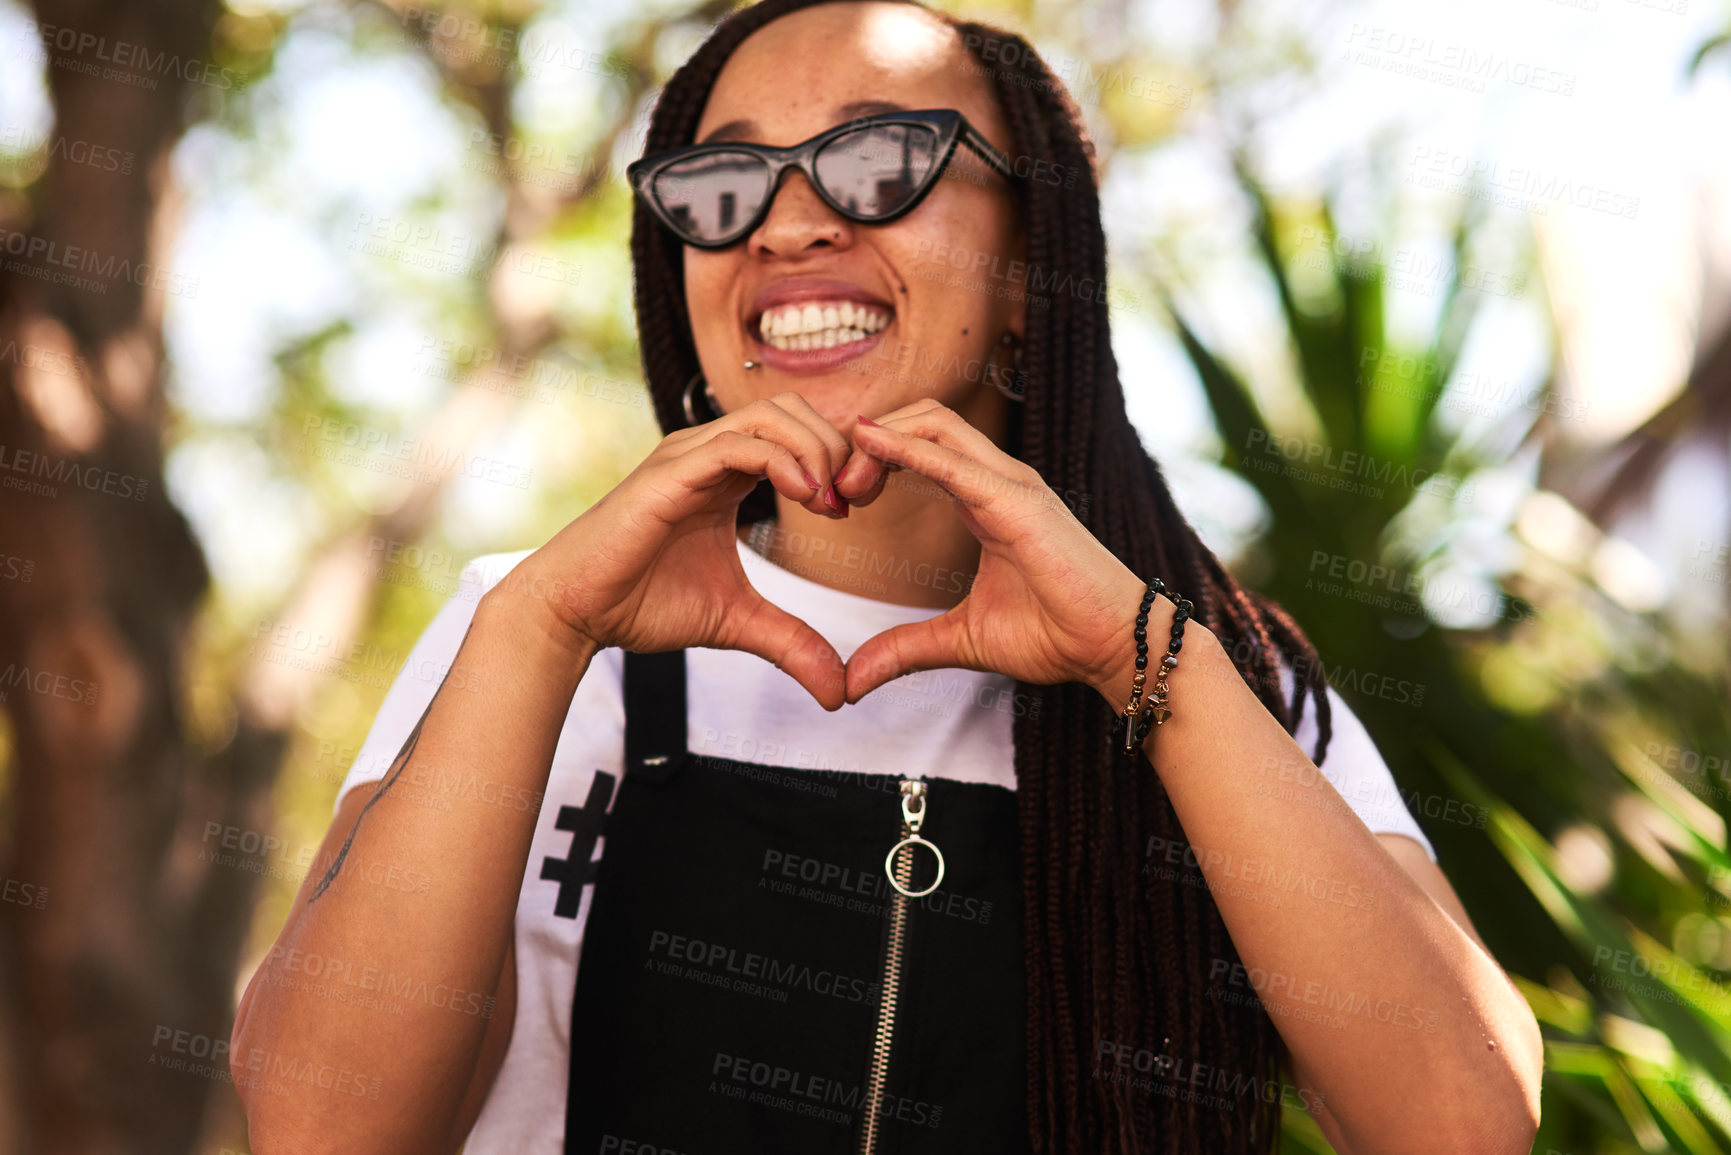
x=418, y=680
x=1355, y=768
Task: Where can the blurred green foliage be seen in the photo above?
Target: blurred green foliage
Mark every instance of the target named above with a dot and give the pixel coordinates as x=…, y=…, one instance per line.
x=1561, y=759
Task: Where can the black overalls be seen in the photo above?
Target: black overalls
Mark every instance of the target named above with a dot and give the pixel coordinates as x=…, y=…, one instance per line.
x=740, y=961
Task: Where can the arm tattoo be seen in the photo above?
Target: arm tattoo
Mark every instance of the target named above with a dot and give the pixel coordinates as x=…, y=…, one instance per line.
x=401, y=760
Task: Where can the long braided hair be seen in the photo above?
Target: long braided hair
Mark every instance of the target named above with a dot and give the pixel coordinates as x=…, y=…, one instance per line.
x=1119, y=953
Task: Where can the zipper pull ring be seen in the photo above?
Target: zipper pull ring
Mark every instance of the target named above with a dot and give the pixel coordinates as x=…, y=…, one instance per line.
x=912, y=790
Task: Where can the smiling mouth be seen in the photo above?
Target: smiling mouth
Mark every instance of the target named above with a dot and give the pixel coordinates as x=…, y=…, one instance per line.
x=820, y=324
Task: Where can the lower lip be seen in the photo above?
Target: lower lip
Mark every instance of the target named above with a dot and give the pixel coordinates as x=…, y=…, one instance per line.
x=814, y=360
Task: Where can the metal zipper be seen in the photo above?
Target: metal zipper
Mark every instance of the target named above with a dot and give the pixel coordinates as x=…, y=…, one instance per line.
x=900, y=874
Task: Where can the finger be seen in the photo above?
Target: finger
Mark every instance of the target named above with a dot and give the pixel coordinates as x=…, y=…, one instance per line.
x=908, y=410
x=865, y=477
x=936, y=422
x=993, y=493
x=933, y=644
x=729, y=454
x=775, y=635
x=862, y=479
x=959, y=474
x=838, y=446
x=766, y=419
x=883, y=478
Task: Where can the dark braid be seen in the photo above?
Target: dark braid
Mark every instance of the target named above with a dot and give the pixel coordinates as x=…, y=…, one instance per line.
x=1112, y=953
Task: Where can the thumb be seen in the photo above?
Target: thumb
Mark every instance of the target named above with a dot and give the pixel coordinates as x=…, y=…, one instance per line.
x=934, y=644
x=773, y=634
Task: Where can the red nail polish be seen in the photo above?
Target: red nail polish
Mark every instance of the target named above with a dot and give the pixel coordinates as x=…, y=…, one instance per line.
x=864, y=420
x=809, y=479
x=829, y=499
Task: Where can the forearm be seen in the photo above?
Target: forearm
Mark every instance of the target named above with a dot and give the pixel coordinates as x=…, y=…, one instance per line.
x=1410, y=1031
x=392, y=983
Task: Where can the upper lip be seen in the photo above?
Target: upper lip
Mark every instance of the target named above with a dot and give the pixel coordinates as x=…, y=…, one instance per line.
x=795, y=289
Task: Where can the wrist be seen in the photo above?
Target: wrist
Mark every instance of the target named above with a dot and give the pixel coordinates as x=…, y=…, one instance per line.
x=538, y=613
x=1115, y=681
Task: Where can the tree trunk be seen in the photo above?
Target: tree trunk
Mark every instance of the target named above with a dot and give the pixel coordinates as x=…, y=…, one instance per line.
x=112, y=937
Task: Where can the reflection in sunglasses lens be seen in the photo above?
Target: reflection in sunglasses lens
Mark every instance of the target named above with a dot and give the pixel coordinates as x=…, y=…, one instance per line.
x=877, y=170
x=708, y=196
x=871, y=173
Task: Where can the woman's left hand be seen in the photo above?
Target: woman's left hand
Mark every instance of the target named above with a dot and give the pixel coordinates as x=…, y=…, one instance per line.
x=1049, y=603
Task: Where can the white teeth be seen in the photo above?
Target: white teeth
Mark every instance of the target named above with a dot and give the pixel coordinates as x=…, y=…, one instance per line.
x=827, y=339
x=820, y=325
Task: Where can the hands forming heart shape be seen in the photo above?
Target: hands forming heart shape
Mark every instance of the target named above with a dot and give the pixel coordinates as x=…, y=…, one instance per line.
x=654, y=566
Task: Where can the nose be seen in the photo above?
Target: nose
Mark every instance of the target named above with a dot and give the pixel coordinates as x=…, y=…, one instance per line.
x=798, y=220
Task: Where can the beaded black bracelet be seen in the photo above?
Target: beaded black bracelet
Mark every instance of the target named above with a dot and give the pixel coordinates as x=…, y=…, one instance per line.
x=1138, y=718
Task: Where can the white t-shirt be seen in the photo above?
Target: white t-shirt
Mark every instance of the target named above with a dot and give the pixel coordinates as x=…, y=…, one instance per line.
x=935, y=724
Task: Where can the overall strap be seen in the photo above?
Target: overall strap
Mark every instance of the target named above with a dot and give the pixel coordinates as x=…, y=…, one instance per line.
x=654, y=713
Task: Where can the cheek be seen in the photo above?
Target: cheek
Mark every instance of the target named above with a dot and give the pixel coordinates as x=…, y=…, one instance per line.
x=707, y=279
x=950, y=253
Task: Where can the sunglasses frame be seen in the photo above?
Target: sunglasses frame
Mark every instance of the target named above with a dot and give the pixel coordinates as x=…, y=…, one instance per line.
x=950, y=125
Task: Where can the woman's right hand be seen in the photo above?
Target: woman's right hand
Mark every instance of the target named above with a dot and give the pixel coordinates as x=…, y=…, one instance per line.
x=654, y=565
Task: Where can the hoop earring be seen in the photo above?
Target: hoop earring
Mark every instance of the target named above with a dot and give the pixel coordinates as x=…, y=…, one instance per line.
x=691, y=416
x=1016, y=387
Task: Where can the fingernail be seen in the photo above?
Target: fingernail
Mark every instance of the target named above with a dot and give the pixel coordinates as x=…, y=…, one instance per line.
x=829, y=499
x=809, y=479
x=864, y=420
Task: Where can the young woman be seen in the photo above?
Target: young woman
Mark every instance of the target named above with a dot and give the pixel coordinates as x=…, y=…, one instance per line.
x=802, y=794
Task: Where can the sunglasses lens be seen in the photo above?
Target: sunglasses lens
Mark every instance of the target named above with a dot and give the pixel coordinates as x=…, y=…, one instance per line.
x=710, y=196
x=876, y=171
